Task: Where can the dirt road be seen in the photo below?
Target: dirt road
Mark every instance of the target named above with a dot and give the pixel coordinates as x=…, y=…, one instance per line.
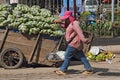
x=102, y=70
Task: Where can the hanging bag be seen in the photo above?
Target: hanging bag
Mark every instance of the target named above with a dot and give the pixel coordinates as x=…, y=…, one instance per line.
x=53, y=55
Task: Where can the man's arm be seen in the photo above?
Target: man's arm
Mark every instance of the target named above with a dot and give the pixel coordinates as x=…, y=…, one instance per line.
x=78, y=30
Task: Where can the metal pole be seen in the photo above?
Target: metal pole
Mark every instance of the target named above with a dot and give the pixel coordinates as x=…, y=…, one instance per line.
x=112, y=11
x=112, y=19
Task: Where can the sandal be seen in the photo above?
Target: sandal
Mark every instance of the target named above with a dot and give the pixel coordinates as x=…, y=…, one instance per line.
x=87, y=72
x=59, y=72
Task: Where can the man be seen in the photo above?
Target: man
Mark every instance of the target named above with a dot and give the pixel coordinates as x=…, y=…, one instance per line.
x=75, y=39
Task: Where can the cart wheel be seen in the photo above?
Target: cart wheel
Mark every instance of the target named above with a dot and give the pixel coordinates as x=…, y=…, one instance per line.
x=11, y=58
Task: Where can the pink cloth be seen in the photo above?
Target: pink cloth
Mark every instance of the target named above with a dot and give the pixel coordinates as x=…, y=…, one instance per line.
x=79, y=39
x=68, y=14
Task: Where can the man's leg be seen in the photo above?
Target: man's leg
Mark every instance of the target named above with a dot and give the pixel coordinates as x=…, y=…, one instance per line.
x=81, y=56
x=69, y=53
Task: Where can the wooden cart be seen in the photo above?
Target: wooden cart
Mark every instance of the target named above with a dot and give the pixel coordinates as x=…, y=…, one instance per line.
x=17, y=49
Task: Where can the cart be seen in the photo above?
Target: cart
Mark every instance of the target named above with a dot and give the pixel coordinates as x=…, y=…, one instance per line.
x=17, y=49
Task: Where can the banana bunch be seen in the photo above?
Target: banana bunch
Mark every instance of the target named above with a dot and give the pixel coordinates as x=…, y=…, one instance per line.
x=102, y=56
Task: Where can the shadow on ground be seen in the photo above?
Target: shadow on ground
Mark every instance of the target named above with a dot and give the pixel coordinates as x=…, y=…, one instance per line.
x=106, y=72
x=73, y=71
x=97, y=71
x=110, y=74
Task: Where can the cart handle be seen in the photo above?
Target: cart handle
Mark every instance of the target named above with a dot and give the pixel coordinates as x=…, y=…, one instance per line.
x=4, y=39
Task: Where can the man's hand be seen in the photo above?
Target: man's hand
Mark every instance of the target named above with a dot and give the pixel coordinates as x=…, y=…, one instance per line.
x=57, y=21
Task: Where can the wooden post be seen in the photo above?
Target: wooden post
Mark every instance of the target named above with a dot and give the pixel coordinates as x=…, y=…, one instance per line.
x=67, y=4
x=7, y=1
x=75, y=8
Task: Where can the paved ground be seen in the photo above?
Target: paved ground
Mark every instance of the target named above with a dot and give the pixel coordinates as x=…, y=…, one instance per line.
x=102, y=71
